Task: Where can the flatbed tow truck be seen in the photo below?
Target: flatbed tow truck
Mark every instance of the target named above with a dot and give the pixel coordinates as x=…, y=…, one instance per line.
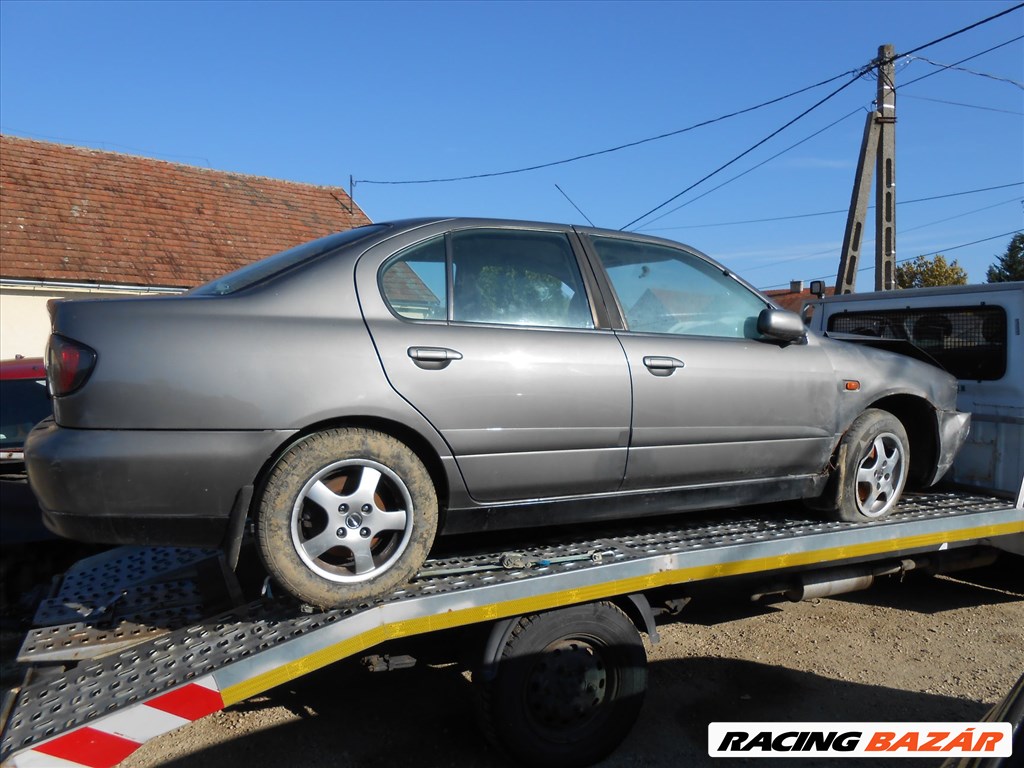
x=136, y=642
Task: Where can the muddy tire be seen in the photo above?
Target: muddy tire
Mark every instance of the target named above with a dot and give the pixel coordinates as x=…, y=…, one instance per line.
x=568, y=686
x=346, y=515
x=875, y=460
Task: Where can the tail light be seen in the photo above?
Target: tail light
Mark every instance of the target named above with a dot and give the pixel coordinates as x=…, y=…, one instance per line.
x=68, y=365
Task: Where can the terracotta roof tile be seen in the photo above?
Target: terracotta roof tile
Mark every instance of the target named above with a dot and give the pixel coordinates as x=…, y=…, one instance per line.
x=85, y=215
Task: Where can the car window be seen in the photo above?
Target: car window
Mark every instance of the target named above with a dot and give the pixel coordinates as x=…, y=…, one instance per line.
x=23, y=404
x=516, y=277
x=413, y=283
x=667, y=290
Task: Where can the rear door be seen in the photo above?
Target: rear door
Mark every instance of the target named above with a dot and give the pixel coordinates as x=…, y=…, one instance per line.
x=712, y=400
x=490, y=333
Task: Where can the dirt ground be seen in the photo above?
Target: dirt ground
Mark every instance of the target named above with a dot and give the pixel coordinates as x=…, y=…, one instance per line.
x=921, y=649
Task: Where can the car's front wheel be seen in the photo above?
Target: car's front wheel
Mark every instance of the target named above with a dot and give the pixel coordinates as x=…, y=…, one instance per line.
x=875, y=465
x=347, y=514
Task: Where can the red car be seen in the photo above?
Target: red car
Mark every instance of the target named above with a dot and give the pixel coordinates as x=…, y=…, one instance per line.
x=24, y=402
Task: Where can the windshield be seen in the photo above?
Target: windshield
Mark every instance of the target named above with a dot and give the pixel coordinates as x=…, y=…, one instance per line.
x=281, y=262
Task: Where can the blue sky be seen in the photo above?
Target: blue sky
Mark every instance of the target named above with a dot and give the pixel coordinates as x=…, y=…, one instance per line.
x=316, y=92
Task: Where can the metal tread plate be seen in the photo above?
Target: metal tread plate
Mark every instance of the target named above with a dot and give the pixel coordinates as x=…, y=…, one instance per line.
x=255, y=640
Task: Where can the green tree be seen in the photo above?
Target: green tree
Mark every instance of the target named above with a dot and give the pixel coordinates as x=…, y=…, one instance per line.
x=1009, y=266
x=923, y=272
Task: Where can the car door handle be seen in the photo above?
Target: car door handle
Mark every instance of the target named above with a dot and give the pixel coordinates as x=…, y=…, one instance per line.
x=433, y=358
x=662, y=366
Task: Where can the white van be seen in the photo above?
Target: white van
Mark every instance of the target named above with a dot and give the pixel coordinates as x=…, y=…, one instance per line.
x=974, y=332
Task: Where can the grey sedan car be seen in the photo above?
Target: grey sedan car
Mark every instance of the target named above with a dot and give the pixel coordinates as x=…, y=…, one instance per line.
x=356, y=395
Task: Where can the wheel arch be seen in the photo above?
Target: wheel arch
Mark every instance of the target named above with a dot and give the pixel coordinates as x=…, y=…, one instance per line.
x=418, y=443
x=919, y=420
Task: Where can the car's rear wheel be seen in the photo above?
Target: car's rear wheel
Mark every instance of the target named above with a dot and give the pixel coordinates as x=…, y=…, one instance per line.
x=874, y=471
x=346, y=514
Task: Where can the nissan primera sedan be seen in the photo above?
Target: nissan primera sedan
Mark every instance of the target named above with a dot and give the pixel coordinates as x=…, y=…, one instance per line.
x=358, y=394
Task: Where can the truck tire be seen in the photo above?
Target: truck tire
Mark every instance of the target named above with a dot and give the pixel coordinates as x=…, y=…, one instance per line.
x=875, y=460
x=568, y=686
x=346, y=515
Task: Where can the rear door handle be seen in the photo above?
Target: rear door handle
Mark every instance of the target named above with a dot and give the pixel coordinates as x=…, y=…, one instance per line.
x=662, y=366
x=433, y=358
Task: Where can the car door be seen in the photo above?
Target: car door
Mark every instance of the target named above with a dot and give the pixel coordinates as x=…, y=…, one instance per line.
x=489, y=332
x=713, y=401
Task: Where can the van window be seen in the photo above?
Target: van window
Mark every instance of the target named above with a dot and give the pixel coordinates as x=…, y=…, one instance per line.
x=969, y=342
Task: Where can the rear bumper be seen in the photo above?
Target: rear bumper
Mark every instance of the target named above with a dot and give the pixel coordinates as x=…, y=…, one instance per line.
x=953, y=429
x=158, y=488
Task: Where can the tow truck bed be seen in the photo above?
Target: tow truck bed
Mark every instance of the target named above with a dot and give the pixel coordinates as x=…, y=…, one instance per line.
x=139, y=641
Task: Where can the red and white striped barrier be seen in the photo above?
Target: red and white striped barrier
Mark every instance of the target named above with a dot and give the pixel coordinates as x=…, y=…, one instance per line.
x=107, y=741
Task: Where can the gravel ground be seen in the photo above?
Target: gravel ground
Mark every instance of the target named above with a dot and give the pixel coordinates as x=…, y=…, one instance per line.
x=922, y=649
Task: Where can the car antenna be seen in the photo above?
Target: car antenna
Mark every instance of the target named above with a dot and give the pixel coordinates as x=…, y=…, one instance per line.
x=575, y=206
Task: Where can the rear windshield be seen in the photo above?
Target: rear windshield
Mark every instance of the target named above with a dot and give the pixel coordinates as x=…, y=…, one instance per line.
x=281, y=262
x=23, y=404
x=969, y=342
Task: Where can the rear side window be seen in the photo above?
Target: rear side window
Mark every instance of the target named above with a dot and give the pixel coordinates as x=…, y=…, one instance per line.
x=969, y=342
x=497, y=276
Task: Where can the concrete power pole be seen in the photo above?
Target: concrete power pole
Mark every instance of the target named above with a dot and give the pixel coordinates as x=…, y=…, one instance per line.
x=878, y=150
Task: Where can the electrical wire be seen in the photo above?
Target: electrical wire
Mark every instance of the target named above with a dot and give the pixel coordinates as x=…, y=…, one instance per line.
x=962, y=104
x=752, y=168
x=618, y=148
x=837, y=210
x=954, y=64
x=833, y=249
x=747, y=151
x=960, y=31
x=864, y=70
x=942, y=251
x=998, y=78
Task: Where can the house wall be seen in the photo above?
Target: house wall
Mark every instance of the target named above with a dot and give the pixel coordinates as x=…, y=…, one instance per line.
x=24, y=321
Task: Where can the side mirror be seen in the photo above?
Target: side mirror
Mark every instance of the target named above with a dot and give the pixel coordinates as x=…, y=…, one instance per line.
x=818, y=288
x=781, y=325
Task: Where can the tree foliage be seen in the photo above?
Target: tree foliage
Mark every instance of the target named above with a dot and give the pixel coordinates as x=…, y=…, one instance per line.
x=923, y=272
x=1009, y=266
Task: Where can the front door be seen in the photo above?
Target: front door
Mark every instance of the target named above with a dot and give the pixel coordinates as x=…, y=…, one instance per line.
x=712, y=400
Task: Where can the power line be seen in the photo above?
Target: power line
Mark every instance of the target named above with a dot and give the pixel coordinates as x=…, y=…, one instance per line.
x=911, y=258
x=838, y=210
x=954, y=64
x=962, y=104
x=960, y=31
x=747, y=151
x=611, y=149
x=999, y=78
x=833, y=249
x=753, y=168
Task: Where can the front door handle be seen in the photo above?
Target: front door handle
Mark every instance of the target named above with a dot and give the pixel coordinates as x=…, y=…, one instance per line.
x=433, y=358
x=662, y=366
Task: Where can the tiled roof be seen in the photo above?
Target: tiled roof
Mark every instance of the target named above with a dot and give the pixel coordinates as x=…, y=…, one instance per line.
x=794, y=300
x=84, y=215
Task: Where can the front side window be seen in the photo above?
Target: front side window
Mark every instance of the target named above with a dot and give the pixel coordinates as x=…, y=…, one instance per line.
x=667, y=290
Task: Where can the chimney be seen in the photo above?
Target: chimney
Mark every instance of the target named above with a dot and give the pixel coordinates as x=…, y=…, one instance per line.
x=796, y=286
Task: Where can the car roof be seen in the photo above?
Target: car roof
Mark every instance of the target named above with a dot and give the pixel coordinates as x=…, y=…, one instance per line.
x=22, y=368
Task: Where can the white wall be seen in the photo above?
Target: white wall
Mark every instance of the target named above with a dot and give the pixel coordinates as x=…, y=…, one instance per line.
x=24, y=321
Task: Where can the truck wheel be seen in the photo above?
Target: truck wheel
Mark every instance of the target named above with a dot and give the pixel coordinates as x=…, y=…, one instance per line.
x=874, y=471
x=568, y=687
x=346, y=515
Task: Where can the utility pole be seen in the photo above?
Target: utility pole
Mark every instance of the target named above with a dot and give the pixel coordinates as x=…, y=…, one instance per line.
x=878, y=150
